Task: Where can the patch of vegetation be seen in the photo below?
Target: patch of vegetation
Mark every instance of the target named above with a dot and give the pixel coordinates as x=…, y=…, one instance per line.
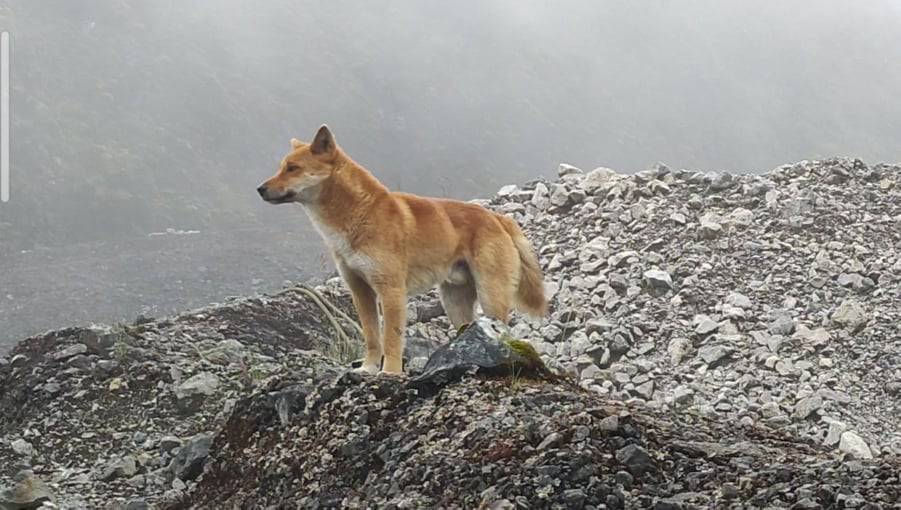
x=251, y=375
x=345, y=348
x=122, y=339
x=527, y=362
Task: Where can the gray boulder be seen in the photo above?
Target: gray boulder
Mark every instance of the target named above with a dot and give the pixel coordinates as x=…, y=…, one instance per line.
x=188, y=463
x=28, y=491
x=202, y=384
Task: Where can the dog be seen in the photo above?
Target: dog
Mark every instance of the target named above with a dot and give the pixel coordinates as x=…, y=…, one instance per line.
x=390, y=245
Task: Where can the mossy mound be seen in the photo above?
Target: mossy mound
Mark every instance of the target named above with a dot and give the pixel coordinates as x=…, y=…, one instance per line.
x=477, y=351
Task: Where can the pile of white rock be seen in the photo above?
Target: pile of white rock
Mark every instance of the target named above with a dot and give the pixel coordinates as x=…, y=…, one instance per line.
x=759, y=299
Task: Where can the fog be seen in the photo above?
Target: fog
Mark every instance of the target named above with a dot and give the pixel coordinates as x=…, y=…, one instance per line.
x=133, y=117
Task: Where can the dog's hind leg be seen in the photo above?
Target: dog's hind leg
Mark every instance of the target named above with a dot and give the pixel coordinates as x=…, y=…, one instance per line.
x=459, y=302
x=495, y=267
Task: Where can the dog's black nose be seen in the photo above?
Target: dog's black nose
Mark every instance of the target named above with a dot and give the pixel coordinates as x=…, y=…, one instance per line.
x=262, y=190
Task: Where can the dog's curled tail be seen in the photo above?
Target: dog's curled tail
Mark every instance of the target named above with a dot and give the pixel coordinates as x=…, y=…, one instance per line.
x=530, y=292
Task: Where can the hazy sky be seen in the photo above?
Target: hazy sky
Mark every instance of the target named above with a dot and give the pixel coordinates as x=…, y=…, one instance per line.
x=185, y=104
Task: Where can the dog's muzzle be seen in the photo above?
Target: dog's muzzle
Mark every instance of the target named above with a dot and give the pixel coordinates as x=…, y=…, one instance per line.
x=273, y=198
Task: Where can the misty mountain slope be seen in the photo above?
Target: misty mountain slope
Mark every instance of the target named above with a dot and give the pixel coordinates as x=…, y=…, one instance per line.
x=159, y=274
x=730, y=340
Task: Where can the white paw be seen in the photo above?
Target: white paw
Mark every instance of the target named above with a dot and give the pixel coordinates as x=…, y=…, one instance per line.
x=383, y=373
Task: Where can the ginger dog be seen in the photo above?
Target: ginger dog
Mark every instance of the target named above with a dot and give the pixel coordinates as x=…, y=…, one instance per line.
x=388, y=245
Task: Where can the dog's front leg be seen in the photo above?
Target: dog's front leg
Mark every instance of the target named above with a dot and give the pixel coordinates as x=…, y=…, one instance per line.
x=394, y=315
x=367, y=308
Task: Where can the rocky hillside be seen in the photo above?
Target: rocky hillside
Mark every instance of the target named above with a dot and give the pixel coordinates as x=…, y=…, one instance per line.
x=725, y=340
x=755, y=299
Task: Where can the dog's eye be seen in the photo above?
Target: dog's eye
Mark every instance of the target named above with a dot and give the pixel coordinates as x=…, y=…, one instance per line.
x=293, y=168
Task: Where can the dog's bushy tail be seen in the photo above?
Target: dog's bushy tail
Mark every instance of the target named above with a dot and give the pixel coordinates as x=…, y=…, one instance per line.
x=530, y=293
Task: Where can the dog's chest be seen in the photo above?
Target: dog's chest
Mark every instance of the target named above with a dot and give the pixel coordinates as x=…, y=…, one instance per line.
x=340, y=246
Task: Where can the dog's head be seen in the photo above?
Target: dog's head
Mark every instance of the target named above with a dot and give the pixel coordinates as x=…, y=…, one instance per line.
x=303, y=170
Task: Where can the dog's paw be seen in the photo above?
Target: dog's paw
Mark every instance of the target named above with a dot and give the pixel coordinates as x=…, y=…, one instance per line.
x=398, y=375
x=366, y=369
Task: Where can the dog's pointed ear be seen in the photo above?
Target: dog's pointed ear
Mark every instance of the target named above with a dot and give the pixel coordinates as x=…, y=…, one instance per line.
x=324, y=142
x=296, y=144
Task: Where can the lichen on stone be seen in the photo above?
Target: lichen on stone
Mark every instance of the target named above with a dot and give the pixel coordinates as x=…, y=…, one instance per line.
x=525, y=360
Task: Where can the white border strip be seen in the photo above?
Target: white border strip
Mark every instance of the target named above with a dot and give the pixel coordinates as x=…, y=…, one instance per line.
x=4, y=117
